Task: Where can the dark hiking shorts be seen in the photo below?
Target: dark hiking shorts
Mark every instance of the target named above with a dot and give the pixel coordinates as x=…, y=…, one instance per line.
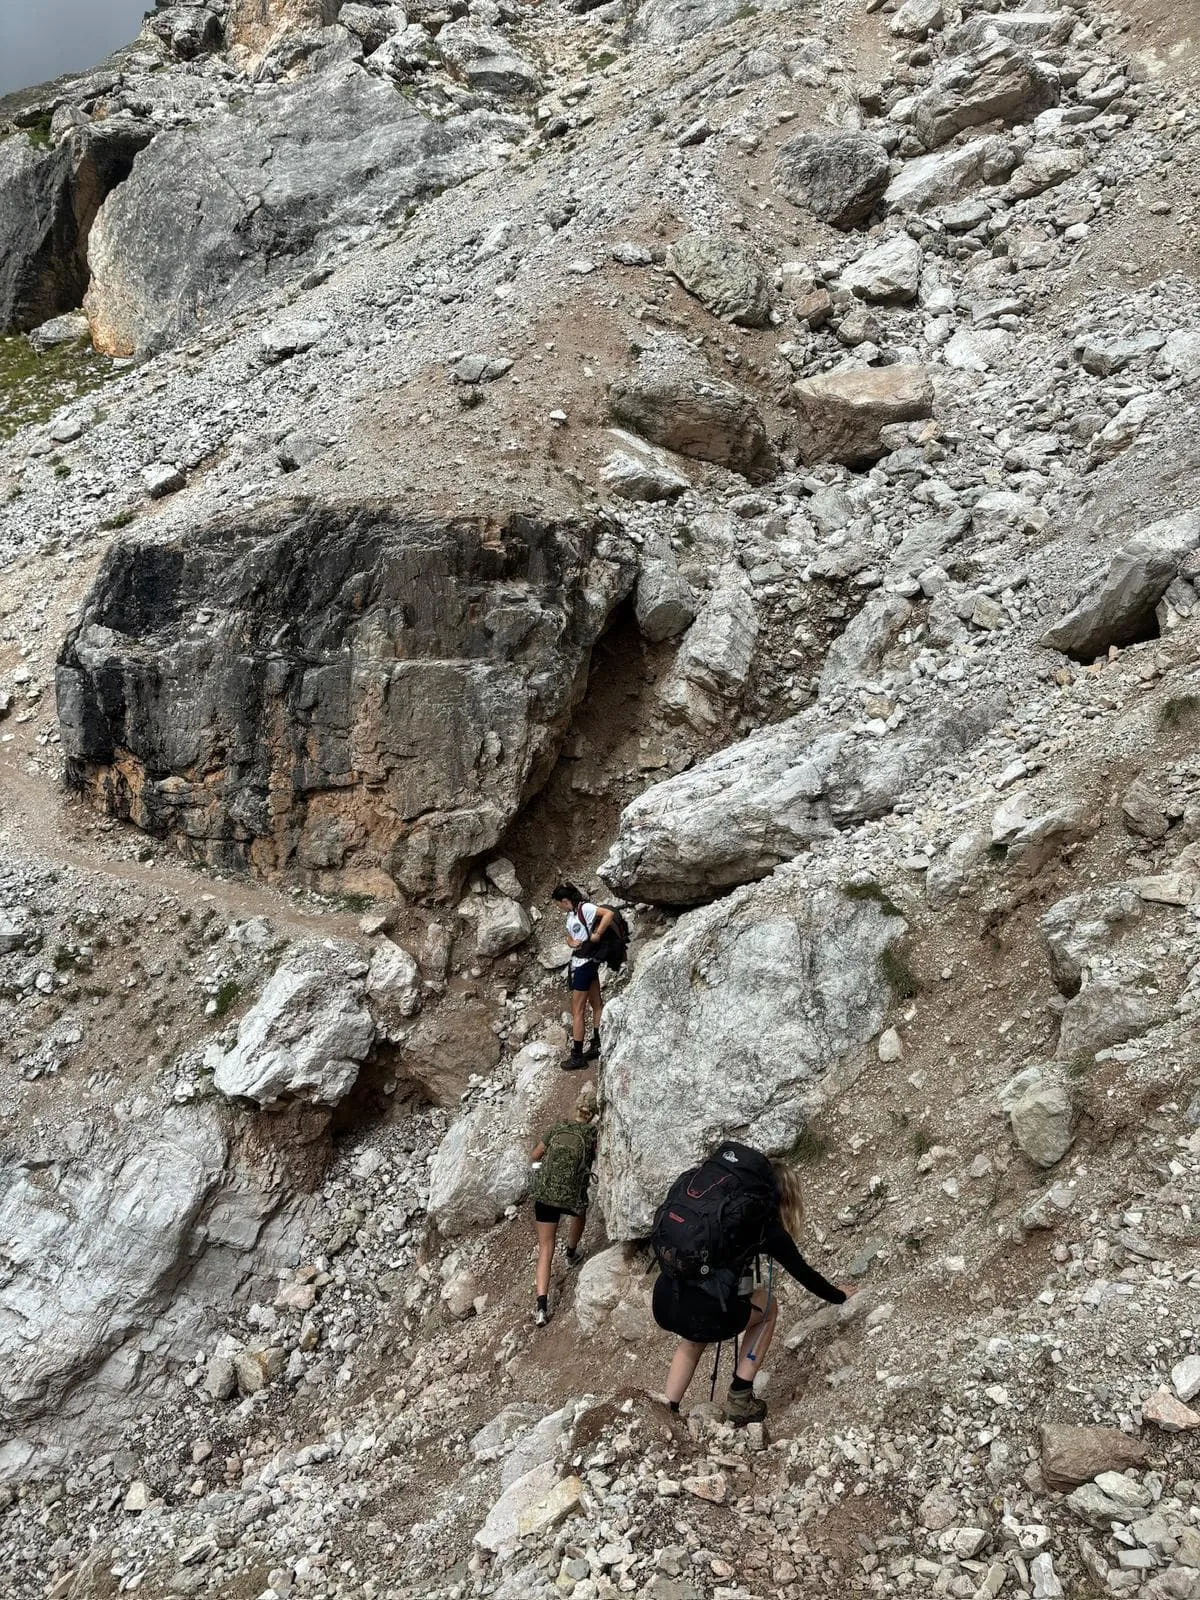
x=691, y=1313
x=545, y=1213
x=584, y=976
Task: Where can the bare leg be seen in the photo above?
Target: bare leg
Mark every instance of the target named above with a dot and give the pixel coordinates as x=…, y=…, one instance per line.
x=597, y=1001
x=545, y=1258
x=575, y=1227
x=760, y=1330
x=683, y=1368
x=578, y=1011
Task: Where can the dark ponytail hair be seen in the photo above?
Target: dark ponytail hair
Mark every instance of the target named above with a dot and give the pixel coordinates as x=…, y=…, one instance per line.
x=566, y=891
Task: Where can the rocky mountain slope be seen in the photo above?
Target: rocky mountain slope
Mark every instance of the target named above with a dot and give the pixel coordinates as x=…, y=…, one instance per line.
x=742, y=457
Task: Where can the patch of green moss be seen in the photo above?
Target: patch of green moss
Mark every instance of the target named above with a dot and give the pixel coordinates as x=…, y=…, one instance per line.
x=604, y=58
x=34, y=386
x=119, y=519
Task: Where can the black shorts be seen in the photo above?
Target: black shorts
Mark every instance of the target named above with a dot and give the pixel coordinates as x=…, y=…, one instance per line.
x=545, y=1213
x=690, y=1312
x=584, y=976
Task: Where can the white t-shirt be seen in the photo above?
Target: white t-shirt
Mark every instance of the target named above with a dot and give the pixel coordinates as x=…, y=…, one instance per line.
x=578, y=927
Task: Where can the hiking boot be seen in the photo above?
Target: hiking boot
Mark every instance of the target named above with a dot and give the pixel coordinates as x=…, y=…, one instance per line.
x=743, y=1406
x=541, y=1317
x=592, y=1053
x=574, y=1257
x=576, y=1061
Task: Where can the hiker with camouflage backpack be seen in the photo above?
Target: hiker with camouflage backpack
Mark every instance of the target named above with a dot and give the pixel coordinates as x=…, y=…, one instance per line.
x=717, y=1220
x=563, y=1170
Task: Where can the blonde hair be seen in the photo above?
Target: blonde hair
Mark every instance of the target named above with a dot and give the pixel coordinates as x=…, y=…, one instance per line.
x=791, y=1199
x=586, y=1105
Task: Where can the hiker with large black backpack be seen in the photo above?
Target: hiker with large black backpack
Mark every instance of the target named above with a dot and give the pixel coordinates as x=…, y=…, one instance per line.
x=595, y=934
x=562, y=1163
x=717, y=1221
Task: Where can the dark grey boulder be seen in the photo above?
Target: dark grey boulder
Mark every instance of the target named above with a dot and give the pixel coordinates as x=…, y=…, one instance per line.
x=49, y=197
x=673, y=400
x=338, y=688
x=839, y=177
x=723, y=276
x=187, y=31
x=215, y=213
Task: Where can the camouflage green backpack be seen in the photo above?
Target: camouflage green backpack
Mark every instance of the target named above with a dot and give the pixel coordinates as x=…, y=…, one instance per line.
x=562, y=1178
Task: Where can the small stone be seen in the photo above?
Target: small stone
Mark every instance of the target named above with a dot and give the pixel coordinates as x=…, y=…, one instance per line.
x=712, y=1487
x=890, y=1047
x=1166, y=1412
x=137, y=1497
x=220, y=1378
x=1185, y=1377
x=162, y=479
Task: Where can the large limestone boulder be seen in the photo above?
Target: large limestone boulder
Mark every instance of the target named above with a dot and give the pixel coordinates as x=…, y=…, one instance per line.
x=1119, y=609
x=637, y=471
x=944, y=176
x=715, y=1035
x=999, y=82
x=1106, y=1012
x=838, y=177
x=113, y=1233
x=482, y=1164
x=841, y=415
x=663, y=603
x=336, y=688
x=305, y=1037
x=673, y=400
x=1040, y=1112
x=891, y=272
x=723, y=276
x=713, y=662
x=486, y=61
x=49, y=198
x=761, y=801
x=216, y=212
x=186, y=31
x=1078, y=928
x=613, y=1291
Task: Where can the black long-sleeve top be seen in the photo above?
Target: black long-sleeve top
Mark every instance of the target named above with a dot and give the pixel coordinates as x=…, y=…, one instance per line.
x=780, y=1246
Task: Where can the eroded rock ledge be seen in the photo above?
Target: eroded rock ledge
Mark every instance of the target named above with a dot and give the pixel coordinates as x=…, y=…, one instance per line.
x=364, y=695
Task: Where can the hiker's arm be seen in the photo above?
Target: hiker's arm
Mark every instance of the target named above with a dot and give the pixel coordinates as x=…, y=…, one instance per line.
x=539, y=1150
x=781, y=1247
x=602, y=921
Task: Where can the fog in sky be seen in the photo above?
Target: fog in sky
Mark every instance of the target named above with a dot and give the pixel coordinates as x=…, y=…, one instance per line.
x=41, y=38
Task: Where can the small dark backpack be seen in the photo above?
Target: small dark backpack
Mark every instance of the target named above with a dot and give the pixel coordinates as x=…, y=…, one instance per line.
x=562, y=1179
x=715, y=1218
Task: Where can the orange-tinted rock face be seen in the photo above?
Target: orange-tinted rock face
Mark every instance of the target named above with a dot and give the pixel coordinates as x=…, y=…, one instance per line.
x=256, y=24
x=342, y=691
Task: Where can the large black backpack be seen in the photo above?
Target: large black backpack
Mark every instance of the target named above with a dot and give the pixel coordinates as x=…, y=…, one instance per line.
x=715, y=1218
x=612, y=947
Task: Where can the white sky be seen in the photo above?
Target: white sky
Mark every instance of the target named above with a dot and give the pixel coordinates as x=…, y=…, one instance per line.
x=41, y=38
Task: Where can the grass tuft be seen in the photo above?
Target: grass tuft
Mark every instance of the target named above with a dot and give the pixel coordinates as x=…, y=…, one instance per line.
x=806, y=1148
x=226, y=995
x=904, y=983
x=872, y=891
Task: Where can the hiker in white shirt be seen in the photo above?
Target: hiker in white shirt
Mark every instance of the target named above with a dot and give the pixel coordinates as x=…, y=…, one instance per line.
x=586, y=925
